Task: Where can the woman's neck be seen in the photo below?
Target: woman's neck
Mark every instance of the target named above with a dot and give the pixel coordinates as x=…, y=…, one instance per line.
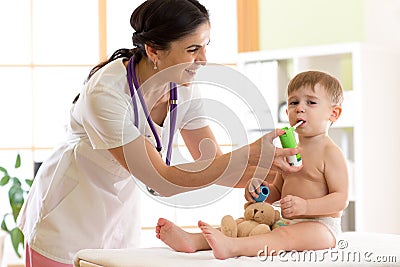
x=143, y=71
x=154, y=90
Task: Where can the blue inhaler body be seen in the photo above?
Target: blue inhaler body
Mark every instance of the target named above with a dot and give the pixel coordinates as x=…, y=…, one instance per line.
x=264, y=192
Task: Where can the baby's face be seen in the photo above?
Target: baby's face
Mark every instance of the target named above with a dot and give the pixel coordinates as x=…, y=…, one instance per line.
x=311, y=106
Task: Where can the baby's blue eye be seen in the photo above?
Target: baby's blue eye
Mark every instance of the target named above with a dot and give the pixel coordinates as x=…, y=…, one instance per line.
x=294, y=103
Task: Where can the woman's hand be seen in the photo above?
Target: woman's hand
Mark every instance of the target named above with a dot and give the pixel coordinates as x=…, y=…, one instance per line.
x=280, y=163
x=292, y=206
x=264, y=154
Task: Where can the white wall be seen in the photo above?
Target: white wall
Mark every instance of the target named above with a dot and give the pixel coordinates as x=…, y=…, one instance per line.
x=382, y=22
x=380, y=142
x=380, y=136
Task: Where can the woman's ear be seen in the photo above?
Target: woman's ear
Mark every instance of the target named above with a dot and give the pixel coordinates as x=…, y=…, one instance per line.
x=151, y=52
x=335, y=114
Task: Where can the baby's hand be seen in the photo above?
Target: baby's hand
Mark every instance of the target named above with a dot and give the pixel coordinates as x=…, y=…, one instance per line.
x=292, y=206
x=252, y=189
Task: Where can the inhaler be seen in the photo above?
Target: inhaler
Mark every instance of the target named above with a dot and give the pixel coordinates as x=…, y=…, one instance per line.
x=288, y=140
x=264, y=192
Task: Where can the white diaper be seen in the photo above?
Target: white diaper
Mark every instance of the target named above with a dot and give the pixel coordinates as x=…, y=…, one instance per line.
x=333, y=224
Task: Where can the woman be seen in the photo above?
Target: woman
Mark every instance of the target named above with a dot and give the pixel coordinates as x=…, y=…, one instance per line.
x=84, y=195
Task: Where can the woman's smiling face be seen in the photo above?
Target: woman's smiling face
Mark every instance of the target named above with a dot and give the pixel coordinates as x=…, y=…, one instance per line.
x=186, y=55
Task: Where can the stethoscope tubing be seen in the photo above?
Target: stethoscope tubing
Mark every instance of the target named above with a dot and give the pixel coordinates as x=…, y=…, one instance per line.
x=134, y=89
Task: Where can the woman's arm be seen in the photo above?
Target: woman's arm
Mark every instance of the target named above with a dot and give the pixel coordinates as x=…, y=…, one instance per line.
x=201, y=143
x=232, y=169
x=143, y=161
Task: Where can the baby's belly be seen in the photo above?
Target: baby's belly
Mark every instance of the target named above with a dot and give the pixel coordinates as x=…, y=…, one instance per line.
x=306, y=189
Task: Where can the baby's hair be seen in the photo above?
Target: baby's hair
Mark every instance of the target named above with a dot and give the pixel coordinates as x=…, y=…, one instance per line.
x=310, y=78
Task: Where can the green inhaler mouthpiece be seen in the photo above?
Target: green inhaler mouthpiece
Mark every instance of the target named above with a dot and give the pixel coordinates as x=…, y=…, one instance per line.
x=288, y=140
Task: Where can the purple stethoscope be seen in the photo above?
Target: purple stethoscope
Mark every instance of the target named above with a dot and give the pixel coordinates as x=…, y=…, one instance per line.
x=173, y=100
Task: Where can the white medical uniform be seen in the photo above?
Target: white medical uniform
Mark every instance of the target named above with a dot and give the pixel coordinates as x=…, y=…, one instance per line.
x=82, y=197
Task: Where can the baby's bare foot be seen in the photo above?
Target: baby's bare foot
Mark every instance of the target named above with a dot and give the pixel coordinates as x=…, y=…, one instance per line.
x=219, y=243
x=175, y=237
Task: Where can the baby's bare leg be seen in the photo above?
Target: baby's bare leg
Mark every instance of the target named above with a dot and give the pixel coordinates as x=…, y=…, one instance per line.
x=299, y=237
x=178, y=239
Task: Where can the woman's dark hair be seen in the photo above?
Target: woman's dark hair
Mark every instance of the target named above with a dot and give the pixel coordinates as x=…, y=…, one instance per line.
x=157, y=23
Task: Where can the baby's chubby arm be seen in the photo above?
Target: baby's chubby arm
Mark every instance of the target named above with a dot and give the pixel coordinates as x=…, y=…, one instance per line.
x=336, y=176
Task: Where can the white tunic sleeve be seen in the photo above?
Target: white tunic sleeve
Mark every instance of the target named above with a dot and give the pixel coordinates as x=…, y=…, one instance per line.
x=191, y=103
x=108, y=118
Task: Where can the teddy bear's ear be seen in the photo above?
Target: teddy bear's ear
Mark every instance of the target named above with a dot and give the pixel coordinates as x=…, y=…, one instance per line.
x=247, y=204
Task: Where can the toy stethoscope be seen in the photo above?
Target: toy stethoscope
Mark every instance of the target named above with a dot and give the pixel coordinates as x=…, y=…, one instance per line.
x=173, y=101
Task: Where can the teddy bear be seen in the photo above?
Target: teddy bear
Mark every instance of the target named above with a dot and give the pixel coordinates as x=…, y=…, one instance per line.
x=258, y=219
